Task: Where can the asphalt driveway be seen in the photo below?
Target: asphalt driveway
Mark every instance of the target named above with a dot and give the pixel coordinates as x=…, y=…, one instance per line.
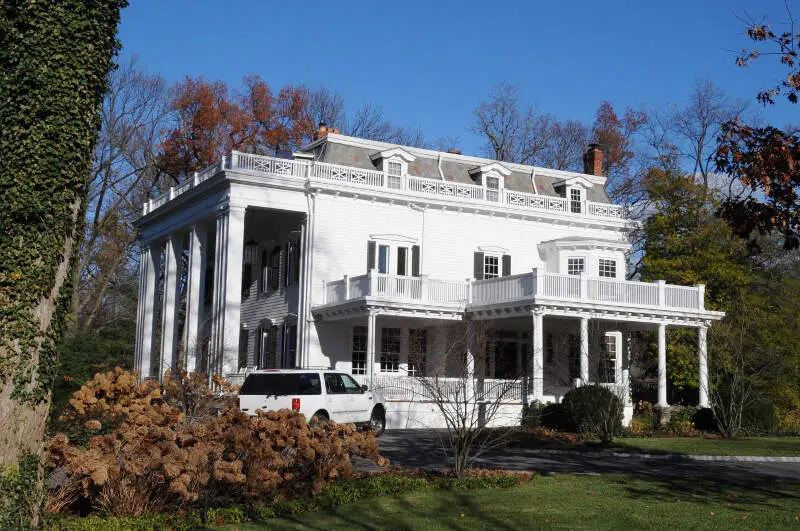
x=424, y=449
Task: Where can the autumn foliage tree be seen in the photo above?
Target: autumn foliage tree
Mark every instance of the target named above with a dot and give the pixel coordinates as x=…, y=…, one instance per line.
x=614, y=134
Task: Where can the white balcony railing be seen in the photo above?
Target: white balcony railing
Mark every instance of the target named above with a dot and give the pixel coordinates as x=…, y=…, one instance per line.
x=534, y=285
x=323, y=172
x=402, y=387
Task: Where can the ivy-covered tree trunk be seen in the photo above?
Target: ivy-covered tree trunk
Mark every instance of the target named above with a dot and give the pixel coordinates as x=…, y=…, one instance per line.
x=54, y=60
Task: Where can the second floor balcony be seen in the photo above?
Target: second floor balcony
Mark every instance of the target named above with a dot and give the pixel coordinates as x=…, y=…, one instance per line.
x=536, y=287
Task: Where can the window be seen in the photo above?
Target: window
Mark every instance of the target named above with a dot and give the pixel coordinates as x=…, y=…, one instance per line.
x=394, y=174
x=334, y=384
x=243, y=341
x=493, y=189
x=402, y=261
x=608, y=268
x=574, y=357
x=359, y=350
x=383, y=259
x=352, y=386
x=417, y=350
x=575, y=200
x=491, y=266
x=390, y=349
x=549, y=348
x=575, y=266
x=290, y=346
x=247, y=279
x=292, y=266
x=608, y=363
x=274, y=272
x=268, y=350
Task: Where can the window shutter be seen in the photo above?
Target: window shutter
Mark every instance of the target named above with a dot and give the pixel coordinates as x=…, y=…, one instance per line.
x=506, y=265
x=415, y=261
x=478, y=270
x=370, y=256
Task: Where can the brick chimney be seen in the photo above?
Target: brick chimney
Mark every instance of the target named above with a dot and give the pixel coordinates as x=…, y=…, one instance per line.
x=593, y=160
x=454, y=151
x=321, y=131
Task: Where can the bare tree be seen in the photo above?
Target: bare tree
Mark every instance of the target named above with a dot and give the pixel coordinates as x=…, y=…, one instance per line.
x=124, y=173
x=455, y=383
x=326, y=106
x=565, y=145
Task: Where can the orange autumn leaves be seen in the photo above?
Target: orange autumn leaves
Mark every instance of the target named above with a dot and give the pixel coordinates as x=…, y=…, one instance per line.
x=210, y=121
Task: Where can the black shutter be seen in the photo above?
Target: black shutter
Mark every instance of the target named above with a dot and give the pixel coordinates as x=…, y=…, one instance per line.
x=506, y=265
x=415, y=261
x=478, y=270
x=370, y=256
x=402, y=260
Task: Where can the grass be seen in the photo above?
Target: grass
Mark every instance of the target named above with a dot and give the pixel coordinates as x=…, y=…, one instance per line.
x=575, y=502
x=745, y=446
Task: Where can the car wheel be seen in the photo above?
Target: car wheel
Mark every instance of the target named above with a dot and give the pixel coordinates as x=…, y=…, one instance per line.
x=377, y=421
x=319, y=418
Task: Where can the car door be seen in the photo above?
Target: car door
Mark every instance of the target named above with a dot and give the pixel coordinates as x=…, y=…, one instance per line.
x=339, y=401
x=361, y=402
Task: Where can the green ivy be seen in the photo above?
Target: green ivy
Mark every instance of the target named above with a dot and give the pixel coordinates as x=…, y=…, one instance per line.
x=54, y=61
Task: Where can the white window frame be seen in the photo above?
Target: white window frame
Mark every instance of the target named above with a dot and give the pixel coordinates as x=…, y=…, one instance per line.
x=583, y=268
x=389, y=362
x=616, y=356
x=572, y=202
x=499, y=258
x=353, y=368
x=600, y=264
x=395, y=182
x=487, y=190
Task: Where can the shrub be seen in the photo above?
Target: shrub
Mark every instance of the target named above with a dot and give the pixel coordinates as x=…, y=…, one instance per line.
x=788, y=421
x=759, y=418
x=153, y=457
x=20, y=493
x=681, y=420
x=552, y=417
x=704, y=420
x=532, y=416
x=593, y=409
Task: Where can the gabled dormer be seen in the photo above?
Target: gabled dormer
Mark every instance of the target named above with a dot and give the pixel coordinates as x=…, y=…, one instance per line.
x=394, y=163
x=574, y=189
x=492, y=178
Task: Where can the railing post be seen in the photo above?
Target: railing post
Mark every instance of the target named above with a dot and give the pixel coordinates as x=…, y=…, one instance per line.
x=234, y=159
x=171, y=193
x=323, y=292
x=701, y=296
x=423, y=288
x=538, y=280
x=469, y=291
x=584, y=286
x=346, y=288
x=195, y=179
x=222, y=163
x=662, y=292
x=373, y=284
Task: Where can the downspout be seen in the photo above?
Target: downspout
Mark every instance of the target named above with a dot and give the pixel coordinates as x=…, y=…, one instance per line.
x=311, y=232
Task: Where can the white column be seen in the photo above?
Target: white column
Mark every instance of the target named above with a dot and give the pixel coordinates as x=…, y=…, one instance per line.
x=145, y=315
x=470, y=385
x=301, y=304
x=662, y=365
x=702, y=348
x=371, y=336
x=584, y=350
x=626, y=364
x=171, y=303
x=226, y=309
x=195, y=285
x=537, y=363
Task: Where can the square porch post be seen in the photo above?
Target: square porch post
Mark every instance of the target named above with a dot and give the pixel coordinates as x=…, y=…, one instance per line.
x=662, y=365
x=195, y=284
x=145, y=313
x=169, y=313
x=537, y=363
x=371, y=337
x=702, y=348
x=584, y=350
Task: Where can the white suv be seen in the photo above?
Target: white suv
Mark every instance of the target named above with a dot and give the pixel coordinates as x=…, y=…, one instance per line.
x=340, y=399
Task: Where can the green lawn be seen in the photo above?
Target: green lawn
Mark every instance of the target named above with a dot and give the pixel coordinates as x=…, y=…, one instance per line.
x=764, y=446
x=751, y=446
x=575, y=502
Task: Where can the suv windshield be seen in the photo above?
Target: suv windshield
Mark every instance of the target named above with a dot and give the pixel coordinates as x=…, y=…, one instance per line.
x=305, y=383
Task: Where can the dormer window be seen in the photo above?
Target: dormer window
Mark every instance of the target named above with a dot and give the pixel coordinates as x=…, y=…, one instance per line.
x=575, y=200
x=491, y=178
x=394, y=164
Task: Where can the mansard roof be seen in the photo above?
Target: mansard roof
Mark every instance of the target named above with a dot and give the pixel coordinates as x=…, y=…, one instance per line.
x=441, y=165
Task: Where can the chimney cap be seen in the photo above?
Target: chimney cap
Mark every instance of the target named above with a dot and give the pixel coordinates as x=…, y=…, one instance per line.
x=454, y=151
x=594, y=145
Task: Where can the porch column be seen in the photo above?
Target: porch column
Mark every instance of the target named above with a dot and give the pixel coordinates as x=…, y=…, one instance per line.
x=371, y=336
x=626, y=364
x=145, y=313
x=172, y=300
x=227, y=300
x=662, y=365
x=195, y=285
x=584, y=350
x=702, y=348
x=537, y=363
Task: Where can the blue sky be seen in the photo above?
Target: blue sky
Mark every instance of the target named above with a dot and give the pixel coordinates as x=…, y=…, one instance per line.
x=430, y=63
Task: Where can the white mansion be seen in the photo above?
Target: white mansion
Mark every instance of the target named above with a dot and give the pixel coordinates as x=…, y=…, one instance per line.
x=360, y=255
